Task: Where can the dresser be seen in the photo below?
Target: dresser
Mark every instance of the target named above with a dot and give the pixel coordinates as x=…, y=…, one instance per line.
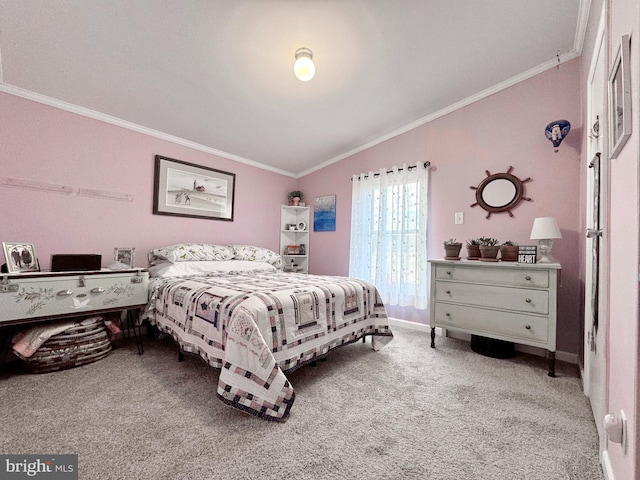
x=39, y=296
x=503, y=300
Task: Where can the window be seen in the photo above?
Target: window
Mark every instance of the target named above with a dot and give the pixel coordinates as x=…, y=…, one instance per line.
x=389, y=233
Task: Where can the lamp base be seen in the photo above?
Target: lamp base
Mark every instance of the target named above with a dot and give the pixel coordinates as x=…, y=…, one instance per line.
x=544, y=247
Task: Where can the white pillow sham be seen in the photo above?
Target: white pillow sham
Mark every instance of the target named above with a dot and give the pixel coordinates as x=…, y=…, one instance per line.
x=188, y=252
x=195, y=268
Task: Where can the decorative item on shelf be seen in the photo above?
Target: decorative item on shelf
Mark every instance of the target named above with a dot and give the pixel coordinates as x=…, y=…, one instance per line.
x=303, y=249
x=545, y=230
x=473, y=249
x=500, y=192
x=295, y=197
x=509, y=251
x=293, y=250
x=556, y=131
x=489, y=249
x=527, y=254
x=452, y=249
x=301, y=226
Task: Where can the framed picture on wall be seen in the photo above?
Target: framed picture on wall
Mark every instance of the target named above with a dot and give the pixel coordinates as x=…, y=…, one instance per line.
x=20, y=257
x=324, y=214
x=620, y=98
x=188, y=190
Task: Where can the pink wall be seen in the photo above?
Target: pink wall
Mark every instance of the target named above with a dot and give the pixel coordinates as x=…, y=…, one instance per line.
x=505, y=129
x=46, y=144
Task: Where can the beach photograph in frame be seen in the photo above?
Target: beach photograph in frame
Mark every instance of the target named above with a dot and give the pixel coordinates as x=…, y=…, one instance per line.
x=20, y=257
x=324, y=213
x=189, y=190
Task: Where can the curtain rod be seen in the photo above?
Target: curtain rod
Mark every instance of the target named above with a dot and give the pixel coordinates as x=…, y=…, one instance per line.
x=427, y=164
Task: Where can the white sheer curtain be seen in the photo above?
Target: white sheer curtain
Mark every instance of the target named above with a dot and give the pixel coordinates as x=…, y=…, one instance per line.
x=389, y=233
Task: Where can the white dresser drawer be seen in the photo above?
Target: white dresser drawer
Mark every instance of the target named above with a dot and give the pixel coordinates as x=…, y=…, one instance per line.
x=45, y=295
x=510, y=298
x=516, y=276
x=494, y=323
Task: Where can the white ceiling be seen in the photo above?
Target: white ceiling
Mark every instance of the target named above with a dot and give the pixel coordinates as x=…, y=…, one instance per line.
x=218, y=74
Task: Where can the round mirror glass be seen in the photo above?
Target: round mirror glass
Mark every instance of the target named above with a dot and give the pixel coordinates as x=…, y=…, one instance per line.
x=499, y=193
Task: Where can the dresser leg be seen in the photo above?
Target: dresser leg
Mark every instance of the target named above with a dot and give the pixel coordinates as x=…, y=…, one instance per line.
x=433, y=337
x=552, y=364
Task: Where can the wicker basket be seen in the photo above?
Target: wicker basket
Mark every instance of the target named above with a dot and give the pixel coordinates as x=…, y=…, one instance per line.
x=79, y=345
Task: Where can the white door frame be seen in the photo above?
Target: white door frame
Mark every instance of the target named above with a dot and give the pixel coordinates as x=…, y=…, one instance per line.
x=595, y=373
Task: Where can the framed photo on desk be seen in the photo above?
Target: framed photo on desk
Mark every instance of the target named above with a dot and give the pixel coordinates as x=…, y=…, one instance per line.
x=20, y=257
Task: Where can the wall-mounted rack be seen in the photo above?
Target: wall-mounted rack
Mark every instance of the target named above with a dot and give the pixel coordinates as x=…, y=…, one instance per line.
x=31, y=185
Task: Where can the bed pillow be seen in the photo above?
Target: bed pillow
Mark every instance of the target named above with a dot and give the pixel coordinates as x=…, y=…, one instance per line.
x=257, y=254
x=208, y=268
x=190, y=252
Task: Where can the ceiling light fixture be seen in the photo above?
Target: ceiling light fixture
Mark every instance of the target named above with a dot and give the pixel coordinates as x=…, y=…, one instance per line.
x=304, y=67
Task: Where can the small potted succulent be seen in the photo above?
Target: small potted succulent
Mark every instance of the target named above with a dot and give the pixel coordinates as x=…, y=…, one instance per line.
x=295, y=197
x=489, y=249
x=509, y=251
x=473, y=249
x=452, y=249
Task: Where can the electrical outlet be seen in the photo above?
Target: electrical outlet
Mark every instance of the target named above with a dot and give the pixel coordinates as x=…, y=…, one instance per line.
x=459, y=218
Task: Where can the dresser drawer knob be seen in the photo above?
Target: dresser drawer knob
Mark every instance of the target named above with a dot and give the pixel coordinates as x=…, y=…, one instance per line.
x=65, y=293
x=528, y=300
x=447, y=314
x=448, y=292
x=448, y=272
x=528, y=327
x=97, y=290
x=528, y=277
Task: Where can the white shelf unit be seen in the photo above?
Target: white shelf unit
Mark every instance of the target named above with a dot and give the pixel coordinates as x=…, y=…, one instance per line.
x=297, y=217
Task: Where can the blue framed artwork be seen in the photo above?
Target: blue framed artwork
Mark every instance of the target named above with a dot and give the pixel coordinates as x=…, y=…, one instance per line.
x=324, y=214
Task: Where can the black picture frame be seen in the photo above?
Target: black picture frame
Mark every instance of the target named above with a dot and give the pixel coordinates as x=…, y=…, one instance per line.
x=188, y=190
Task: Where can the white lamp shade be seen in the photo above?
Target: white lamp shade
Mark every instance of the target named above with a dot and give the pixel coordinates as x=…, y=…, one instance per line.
x=544, y=228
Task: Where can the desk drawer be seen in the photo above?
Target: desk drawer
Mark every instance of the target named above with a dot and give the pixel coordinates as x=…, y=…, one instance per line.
x=519, y=328
x=496, y=276
x=519, y=299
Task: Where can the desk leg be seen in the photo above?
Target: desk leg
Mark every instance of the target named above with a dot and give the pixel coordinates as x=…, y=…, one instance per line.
x=133, y=323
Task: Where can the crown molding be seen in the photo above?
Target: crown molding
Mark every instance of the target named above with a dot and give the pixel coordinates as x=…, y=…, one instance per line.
x=85, y=112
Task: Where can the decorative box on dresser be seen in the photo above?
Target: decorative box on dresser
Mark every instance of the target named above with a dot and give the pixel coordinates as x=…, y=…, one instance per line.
x=507, y=301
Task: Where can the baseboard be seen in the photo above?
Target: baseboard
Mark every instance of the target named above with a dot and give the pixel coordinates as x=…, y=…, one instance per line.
x=571, y=358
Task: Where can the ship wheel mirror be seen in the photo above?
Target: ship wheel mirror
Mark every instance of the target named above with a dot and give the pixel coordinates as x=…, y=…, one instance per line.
x=500, y=192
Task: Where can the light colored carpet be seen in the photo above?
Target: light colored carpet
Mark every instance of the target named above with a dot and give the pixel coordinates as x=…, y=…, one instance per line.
x=405, y=412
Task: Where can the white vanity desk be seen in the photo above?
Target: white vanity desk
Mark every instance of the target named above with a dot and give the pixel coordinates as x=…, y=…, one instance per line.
x=507, y=301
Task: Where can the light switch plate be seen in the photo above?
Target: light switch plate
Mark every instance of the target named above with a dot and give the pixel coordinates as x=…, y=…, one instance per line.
x=459, y=218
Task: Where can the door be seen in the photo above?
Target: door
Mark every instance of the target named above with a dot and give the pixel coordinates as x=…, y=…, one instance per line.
x=596, y=308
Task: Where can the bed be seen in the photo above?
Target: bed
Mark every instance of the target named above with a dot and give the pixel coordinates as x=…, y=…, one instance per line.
x=236, y=308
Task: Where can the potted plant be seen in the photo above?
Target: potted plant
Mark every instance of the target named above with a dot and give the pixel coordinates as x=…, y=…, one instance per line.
x=489, y=249
x=509, y=251
x=452, y=249
x=473, y=249
x=295, y=197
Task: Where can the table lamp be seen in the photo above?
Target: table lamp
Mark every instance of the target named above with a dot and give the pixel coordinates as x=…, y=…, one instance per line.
x=545, y=230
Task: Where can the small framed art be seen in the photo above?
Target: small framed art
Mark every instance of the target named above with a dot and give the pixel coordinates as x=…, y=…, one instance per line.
x=20, y=257
x=124, y=255
x=620, y=98
x=188, y=190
